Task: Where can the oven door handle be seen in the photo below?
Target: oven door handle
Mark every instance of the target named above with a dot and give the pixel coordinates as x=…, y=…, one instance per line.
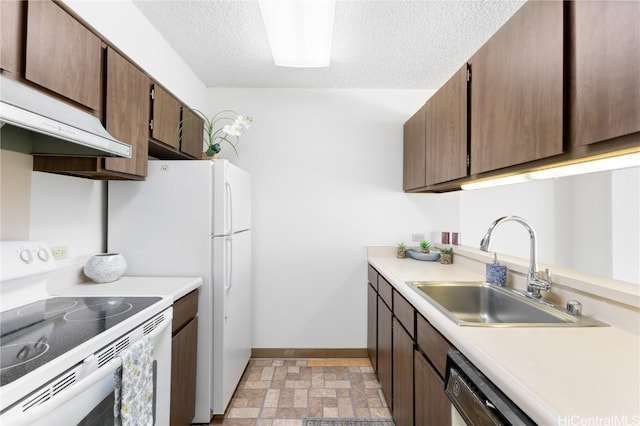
x=39, y=412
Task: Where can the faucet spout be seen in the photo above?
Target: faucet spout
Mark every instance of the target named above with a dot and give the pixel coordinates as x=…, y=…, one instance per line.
x=534, y=284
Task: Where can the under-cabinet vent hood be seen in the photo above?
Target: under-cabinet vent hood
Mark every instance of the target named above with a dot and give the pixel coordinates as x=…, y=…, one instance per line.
x=60, y=129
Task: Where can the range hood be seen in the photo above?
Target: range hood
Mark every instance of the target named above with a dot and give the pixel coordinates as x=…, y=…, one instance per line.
x=35, y=123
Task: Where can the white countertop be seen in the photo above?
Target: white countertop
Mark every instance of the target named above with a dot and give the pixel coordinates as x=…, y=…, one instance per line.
x=562, y=375
x=169, y=287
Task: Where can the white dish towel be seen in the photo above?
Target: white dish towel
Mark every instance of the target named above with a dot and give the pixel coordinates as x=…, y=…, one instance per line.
x=134, y=385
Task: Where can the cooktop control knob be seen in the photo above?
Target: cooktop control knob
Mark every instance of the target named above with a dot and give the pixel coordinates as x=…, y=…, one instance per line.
x=43, y=254
x=26, y=256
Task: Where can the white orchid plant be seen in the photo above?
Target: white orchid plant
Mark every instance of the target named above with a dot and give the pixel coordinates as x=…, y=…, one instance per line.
x=235, y=127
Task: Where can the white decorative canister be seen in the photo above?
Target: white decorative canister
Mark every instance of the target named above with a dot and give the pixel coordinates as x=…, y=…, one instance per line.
x=105, y=267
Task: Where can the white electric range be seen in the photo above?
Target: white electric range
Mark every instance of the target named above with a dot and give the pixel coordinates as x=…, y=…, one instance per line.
x=61, y=352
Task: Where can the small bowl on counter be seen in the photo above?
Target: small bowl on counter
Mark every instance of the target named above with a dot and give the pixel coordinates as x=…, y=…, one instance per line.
x=105, y=267
x=432, y=256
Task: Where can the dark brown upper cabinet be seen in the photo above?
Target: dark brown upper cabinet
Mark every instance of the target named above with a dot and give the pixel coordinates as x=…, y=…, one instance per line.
x=12, y=22
x=166, y=117
x=604, y=70
x=517, y=90
x=191, y=135
x=414, y=151
x=62, y=55
x=127, y=113
x=446, y=124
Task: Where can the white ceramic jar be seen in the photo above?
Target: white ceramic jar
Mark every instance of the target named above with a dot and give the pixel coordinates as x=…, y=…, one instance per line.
x=105, y=267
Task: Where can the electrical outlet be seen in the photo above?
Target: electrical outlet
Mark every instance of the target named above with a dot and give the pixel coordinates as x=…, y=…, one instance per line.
x=59, y=252
x=417, y=238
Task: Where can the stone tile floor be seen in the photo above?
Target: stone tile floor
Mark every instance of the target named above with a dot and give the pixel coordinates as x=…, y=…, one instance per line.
x=281, y=392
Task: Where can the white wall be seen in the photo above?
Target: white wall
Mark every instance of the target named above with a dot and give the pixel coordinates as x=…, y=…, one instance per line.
x=58, y=210
x=590, y=223
x=15, y=195
x=327, y=182
x=625, y=223
x=531, y=200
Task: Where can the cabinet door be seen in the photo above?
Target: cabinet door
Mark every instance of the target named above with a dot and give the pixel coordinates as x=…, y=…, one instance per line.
x=517, y=90
x=183, y=374
x=605, y=70
x=63, y=55
x=432, y=406
x=385, y=344
x=166, y=117
x=191, y=137
x=446, y=123
x=127, y=113
x=402, y=376
x=12, y=21
x=372, y=326
x=414, y=151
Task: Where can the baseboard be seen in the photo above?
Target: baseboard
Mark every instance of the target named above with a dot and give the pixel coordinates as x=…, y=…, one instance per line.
x=309, y=353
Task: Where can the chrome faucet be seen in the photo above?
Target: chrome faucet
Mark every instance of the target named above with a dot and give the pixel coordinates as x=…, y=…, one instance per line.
x=534, y=283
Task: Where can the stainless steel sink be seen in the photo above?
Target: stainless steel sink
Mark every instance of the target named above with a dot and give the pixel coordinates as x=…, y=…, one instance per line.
x=483, y=304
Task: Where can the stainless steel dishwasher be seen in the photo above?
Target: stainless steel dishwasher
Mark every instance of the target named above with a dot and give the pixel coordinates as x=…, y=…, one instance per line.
x=475, y=398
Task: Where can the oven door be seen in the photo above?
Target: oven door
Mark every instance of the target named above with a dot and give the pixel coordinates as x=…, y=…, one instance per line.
x=90, y=400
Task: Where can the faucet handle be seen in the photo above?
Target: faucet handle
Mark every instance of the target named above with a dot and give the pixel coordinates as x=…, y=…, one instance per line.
x=547, y=285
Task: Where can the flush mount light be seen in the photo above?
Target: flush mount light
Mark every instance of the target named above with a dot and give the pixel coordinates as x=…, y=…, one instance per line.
x=622, y=161
x=299, y=31
x=600, y=165
x=506, y=180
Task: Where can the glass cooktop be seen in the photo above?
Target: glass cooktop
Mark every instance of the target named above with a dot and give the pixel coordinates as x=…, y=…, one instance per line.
x=34, y=334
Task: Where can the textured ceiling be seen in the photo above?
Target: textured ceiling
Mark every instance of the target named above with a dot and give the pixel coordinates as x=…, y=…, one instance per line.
x=376, y=44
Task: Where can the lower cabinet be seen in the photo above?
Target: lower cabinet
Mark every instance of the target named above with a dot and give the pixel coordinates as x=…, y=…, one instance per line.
x=184, y=347
x=372, y=326
x=385, y=350
x=403, y=375
x=432, y=406
x=411, y=357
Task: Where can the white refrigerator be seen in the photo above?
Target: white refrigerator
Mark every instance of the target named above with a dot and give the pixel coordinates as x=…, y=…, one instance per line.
x=193, y=218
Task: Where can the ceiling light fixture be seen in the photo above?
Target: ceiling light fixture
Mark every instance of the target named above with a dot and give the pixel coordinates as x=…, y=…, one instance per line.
x=622, y=161
x=299, y=31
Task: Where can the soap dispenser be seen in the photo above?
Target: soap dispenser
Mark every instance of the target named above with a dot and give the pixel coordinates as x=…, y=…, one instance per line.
x=496, y=273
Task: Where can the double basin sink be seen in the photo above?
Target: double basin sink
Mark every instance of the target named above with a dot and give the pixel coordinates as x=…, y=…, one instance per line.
x=483, y=304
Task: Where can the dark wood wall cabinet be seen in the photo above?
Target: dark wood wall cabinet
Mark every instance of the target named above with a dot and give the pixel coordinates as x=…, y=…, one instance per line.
x=604, y=70
x=411, y=357
x=167, y=114
x=191, y=135
x=63, y=55
x=446, y=121
x=414, y=151
x=43, y=44
x=127, y=113
x=560, y=81
x=183, y=359
x=12, y=23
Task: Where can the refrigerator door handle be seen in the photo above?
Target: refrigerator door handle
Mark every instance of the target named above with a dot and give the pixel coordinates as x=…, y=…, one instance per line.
x=229, y=205
x=228, y=271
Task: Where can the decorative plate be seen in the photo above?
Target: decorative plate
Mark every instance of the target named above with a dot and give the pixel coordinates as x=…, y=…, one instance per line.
x=419, y=255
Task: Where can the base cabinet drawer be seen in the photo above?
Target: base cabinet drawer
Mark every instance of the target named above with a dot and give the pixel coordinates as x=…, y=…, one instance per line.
x=433, y=344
